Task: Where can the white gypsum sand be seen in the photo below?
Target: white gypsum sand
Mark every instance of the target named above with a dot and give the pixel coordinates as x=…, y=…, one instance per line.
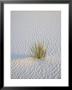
x=30, y=68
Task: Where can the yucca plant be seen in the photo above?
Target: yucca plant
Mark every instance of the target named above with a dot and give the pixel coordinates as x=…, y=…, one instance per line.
x=39, y=50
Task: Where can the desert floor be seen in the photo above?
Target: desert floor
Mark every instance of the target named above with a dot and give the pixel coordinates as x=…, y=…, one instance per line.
x=30, y=68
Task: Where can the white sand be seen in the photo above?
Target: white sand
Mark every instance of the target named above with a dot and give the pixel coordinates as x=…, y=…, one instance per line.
x=30, y=68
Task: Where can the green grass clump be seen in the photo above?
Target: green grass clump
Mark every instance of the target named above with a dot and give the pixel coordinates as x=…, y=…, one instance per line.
x=39, y=50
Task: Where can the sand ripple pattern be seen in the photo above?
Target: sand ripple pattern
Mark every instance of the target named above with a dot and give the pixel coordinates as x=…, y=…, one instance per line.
x=31, y=69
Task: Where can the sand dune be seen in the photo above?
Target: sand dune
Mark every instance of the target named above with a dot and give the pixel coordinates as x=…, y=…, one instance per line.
x=30, y=68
